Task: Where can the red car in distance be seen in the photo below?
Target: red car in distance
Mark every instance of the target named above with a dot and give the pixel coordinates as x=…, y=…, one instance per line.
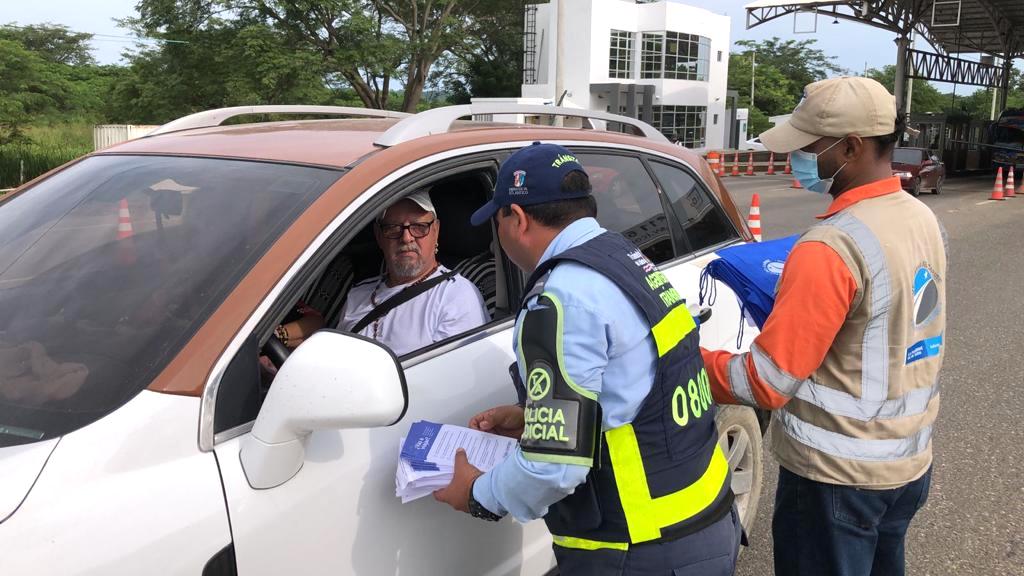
x=918, y=170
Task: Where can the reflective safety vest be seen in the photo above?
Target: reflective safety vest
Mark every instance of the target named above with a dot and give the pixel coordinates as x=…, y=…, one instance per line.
x=659, y=477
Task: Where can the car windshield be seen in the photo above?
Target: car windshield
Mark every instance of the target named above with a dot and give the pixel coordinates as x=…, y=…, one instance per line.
x=907, y=156
x=108, y=268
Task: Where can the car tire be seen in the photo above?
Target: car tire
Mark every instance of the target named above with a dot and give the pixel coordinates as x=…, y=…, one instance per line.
x=739, y=435
x=938, y=185
x=915, y=190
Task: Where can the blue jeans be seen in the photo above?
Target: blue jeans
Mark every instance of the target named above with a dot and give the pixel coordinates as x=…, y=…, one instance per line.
x=709, y=552
x=829, y=530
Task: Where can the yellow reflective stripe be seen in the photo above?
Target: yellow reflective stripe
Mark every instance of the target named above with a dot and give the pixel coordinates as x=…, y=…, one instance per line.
x=646, y=516
x=561, y=357
x=584, y=544
x=673, y=328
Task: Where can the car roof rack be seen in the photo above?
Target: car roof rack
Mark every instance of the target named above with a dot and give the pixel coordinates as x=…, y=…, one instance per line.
x=440, y=120
x=211, y=118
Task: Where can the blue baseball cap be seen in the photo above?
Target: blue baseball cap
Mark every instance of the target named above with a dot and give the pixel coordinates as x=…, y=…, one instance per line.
x=532, y=175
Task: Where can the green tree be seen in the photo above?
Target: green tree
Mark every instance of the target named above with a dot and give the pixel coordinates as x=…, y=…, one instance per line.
x=925, y=98
x=491, y=64
x=798, y=61
x=222, y=63
x=28, y=89
x=51, y=42
x=773, y=92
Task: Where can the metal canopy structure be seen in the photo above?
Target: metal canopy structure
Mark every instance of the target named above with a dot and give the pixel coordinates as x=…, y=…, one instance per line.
x=991, y=28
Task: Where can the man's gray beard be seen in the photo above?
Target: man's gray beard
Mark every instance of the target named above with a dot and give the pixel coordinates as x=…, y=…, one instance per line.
x=410, y=269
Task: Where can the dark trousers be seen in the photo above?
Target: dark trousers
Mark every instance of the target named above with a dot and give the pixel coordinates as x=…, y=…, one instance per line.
x=828, y=530
x=710, y=552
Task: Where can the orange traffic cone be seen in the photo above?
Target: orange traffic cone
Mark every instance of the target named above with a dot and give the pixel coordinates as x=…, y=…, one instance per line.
x=997, y=190
x=1009, y=185
x=125, y=243
x=795, y=184
x=789, y=168
x=771, y=164
x=713, y=162
x=750, y=164
x=754, y=220
x=721, y=165
x=736, y=164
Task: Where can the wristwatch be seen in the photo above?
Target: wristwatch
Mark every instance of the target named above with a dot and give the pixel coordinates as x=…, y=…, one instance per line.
x=477, y=510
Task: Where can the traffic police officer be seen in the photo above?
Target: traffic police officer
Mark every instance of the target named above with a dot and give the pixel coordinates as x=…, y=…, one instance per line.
x=618, y=449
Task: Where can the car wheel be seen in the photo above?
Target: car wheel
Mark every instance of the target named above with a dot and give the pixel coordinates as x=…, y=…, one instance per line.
x=915, y=190
x=938, y=185
x=739, y=435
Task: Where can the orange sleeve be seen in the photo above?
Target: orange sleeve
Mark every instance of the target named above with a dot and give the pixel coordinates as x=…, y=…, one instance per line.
x=814, y=298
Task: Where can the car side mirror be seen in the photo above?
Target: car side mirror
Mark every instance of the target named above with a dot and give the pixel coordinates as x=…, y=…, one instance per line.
x=333, y=380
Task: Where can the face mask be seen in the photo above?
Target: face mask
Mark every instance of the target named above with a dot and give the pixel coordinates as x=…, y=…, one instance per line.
x=805, y=170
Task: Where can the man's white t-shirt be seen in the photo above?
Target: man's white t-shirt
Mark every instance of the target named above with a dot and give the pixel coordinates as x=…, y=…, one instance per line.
x=452, y=307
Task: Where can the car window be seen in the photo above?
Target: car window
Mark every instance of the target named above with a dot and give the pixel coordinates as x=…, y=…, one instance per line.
x=110, y=266
x=907, y=156
x=703, y=221
x=352, y=285
x=628, y=202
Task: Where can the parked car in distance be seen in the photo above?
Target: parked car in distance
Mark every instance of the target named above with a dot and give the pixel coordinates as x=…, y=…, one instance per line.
x=918, y=169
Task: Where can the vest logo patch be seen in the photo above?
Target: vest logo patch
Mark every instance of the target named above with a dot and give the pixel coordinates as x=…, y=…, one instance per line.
x=773, y=266
x=926, y=297
x=538, y=383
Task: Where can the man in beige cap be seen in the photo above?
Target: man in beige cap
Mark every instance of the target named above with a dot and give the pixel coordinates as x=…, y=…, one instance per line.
x=849, y=358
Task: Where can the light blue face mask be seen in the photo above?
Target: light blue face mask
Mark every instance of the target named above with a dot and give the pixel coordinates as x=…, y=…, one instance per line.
x=805, y=170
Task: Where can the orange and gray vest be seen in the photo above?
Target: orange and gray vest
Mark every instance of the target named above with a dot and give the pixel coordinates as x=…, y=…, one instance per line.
x=864, y=418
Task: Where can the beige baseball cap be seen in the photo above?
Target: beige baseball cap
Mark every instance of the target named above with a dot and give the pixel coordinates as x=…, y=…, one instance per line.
x=837, y=107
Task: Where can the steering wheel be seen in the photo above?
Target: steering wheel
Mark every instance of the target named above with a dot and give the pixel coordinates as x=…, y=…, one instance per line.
x=276, y=351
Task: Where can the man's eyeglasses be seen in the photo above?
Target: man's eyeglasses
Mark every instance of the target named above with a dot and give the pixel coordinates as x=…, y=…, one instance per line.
x=396, y=231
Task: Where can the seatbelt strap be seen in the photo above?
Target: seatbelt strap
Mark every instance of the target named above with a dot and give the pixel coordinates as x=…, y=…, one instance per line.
x=401, y=298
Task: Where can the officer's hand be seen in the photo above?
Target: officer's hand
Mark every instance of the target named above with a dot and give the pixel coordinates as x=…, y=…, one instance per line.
x=504, y=420
x=456, y=494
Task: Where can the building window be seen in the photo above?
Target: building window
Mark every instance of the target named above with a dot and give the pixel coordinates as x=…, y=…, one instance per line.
x=683, y=124
x=686, y=56
x=716, y=120
x=620, y=55
x=719, y=55
x=675, y=55
x=651, y=54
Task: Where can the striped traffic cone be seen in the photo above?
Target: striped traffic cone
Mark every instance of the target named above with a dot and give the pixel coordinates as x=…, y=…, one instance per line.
x=125, y=243
x=750, y=164
x=1009, y=193
x=789, y=167
x=771, y=164
x=997, y=190
x=754, y=220
x=795, y=184
x=736, y=164
x=713, y=161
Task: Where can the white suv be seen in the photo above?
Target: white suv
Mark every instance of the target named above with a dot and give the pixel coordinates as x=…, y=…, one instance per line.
x=140, y=285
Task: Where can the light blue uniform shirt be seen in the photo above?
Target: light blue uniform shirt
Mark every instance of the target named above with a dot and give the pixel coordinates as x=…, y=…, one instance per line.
x=608, y=349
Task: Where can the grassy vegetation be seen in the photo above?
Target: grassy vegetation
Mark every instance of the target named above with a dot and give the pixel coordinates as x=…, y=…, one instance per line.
x=47, y=147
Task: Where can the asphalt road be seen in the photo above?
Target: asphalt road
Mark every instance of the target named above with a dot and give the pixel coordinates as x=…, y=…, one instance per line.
x=973, y=522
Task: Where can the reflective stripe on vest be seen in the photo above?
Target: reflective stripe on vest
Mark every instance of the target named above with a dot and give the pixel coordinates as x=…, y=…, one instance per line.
x=646, y=516
x=842, y=446
x=671, y=330
x=584, y=544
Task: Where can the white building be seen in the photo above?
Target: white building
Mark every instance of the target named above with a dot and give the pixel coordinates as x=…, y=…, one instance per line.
x=663, y=62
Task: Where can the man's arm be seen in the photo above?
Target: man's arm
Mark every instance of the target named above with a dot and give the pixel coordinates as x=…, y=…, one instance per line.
x=525, y=487
x=462, y=310
x=815, y=295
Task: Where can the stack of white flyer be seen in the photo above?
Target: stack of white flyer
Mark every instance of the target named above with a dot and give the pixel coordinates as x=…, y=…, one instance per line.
x=427, y=459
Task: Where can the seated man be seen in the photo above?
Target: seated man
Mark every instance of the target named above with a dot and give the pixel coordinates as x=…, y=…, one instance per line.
x=407, y=234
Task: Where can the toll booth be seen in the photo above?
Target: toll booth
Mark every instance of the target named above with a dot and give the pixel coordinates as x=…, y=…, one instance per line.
x=961, y=142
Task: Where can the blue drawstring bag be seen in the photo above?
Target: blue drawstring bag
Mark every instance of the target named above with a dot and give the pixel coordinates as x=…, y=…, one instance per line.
x=752, y=271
